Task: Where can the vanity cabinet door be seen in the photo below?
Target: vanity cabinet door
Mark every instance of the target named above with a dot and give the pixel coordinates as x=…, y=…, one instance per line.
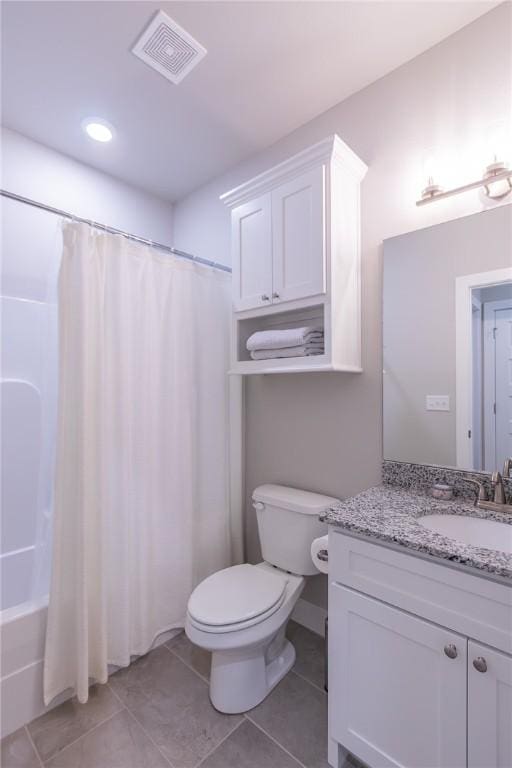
x=298, y=234
x=251, y=225
x=489, y=708
x=396, y=696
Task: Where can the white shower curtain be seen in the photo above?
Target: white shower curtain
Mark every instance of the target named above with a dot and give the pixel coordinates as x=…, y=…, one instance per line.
x=141, y=493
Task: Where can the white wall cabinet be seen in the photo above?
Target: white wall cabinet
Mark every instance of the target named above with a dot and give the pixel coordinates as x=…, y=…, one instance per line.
x=407, y=691
x=296, y=255
x=279, y=244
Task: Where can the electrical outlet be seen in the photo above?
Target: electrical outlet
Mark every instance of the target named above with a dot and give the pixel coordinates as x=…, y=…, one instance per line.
x=438, y=402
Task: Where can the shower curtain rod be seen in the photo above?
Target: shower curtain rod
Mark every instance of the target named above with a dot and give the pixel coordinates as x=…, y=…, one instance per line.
x=114, y=231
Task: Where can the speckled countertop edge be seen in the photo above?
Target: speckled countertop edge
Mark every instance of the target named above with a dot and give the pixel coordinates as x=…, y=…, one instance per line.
x=390, y=514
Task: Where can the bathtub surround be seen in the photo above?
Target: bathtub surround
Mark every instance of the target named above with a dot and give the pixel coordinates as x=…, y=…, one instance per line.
x=31, y=250
x=438, y=97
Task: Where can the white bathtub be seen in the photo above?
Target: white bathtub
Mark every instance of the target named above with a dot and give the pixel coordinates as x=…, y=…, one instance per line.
x=22, y=635
x=22, y=630
x=31, y=249
x=22, y=638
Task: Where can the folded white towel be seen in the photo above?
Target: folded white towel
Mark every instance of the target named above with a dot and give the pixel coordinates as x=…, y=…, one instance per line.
x=303, y=351
x=281, y=339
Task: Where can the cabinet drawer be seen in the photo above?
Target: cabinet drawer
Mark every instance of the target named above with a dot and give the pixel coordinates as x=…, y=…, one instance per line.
x=473, y=605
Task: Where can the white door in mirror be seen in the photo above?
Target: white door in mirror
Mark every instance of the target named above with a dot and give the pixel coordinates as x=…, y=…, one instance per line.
x=476, y=531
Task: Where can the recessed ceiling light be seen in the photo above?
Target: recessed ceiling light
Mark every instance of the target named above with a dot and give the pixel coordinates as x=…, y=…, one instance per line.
x=98, y=129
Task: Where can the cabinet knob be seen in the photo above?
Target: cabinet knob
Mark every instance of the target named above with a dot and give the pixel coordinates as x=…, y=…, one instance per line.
x=451, y=651
x=275, y=296
x=264, y=297
x=480, y=664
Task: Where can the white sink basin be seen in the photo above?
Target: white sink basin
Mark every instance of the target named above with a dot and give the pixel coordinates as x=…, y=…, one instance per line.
x=471, y=530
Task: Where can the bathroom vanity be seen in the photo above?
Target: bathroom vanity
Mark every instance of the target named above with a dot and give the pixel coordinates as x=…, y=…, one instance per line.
x=420, y=635
x=420, y=589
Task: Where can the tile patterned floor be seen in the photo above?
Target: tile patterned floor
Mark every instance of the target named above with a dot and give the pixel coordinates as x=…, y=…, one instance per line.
x=157, y=714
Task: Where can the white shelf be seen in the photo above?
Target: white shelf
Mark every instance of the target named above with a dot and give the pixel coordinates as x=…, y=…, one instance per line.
x=290, y=365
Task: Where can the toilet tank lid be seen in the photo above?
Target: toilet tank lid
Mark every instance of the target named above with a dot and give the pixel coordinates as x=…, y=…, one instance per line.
x=305, y=502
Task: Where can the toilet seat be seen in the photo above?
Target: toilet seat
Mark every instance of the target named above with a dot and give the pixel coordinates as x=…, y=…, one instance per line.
x=236, y=598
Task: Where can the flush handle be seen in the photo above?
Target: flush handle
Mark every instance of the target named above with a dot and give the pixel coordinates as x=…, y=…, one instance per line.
x=480, y=664
x=258, y=505
x=451, y=651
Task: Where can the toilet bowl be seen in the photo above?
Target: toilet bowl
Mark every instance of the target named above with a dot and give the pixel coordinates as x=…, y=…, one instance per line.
x=240, y=613
x=250, y=653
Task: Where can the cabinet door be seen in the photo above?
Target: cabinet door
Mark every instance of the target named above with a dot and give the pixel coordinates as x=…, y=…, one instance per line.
x=298, y=233
x=252, y=253
x=489, y=708
x=395, y=697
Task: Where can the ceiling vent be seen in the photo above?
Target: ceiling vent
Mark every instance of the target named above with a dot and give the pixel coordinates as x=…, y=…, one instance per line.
x=166, y=47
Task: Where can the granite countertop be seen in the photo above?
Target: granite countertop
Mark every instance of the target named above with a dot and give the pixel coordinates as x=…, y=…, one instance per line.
x=390, y=514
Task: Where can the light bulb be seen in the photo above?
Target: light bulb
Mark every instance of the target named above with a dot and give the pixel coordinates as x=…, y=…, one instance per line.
x=498, y=143
x=98, y=129
x=431, y=173
x=430, y=166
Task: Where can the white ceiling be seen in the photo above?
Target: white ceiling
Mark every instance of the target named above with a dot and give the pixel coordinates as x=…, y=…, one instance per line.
x=270, y=67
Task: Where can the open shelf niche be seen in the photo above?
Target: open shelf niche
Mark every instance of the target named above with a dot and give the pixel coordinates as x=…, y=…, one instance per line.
x=315, y=315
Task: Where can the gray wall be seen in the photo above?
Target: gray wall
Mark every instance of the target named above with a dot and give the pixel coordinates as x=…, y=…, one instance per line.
x=323, y=431
x=420, y=269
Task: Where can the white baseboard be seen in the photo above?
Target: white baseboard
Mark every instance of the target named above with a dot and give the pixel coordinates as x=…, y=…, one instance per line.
x=310, y=616
x=166, y=636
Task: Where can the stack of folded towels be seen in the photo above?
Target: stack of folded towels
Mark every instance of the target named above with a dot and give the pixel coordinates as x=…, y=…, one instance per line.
x=290, y=342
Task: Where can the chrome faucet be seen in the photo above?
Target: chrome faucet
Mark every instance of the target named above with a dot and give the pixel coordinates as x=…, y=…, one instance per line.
x=499, y=490
x=499, y=501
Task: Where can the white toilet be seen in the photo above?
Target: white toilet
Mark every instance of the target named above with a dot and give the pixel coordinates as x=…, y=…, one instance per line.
x=240, y=613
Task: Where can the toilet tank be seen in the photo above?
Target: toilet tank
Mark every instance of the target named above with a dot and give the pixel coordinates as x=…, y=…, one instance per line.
x=287, y=524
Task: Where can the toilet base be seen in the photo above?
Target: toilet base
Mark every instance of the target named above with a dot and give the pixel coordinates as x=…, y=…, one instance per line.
x=241, y=679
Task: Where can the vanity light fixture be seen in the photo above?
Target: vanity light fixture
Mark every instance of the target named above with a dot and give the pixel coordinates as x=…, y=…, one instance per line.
x=496, y=179
x=497, y=182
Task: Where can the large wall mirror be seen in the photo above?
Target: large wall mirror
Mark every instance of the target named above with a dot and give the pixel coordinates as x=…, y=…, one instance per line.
x=448, y=343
